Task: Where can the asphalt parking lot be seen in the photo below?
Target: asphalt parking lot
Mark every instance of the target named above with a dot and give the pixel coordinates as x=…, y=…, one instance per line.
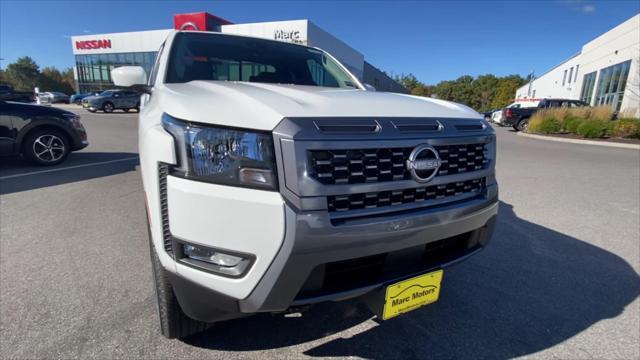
x=560, y=279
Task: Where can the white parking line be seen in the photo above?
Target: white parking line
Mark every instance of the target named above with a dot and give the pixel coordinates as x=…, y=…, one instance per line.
x=67, y=168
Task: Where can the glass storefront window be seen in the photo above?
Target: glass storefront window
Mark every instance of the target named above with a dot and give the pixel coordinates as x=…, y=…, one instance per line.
x=587, y=87
x=94, y=71
x=611, y=85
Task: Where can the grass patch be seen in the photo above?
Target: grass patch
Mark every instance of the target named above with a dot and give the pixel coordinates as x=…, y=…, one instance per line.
x=626, y=128
x=594, y=128
x=546, y=121
x=572, y=123
x=603, y=113
x=588, y=122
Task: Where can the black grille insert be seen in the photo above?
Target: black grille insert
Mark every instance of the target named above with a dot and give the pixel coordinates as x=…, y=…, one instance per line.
x=374, y=200
x=163, y=171
x=355, y=166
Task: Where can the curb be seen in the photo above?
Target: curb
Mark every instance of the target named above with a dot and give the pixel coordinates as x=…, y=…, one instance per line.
x=582, y=142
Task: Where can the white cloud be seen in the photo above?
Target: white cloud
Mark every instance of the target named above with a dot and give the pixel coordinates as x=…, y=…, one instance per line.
x=588, y=9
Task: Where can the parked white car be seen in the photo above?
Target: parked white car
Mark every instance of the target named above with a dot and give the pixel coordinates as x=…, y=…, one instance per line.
x=274, y=180
x=497, y=116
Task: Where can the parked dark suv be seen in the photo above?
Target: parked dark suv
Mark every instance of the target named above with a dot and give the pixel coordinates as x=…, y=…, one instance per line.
x=43, y=135
x=110, y=100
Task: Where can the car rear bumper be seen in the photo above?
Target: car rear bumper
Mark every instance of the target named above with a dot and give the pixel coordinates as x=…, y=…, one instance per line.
x=321, y=261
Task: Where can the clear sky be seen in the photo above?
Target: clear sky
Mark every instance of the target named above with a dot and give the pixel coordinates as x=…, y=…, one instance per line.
x=433, y=40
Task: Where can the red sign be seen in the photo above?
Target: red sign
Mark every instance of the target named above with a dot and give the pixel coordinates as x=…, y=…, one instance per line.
x=93, y=44
x=201, y=21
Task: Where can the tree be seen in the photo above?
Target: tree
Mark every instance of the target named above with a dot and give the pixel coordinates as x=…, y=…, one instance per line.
x=67, y=75
x=409, y=81
x=484, y=87
x=482, y=93
x=506, y=90
x=23, y=74
x=51, y=79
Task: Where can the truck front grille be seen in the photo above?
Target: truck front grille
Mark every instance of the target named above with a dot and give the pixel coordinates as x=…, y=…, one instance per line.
x=355, y=166
x=374, y=200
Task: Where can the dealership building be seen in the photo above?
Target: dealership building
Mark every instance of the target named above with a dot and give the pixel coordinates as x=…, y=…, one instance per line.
x=95, y=55
x=606, y=71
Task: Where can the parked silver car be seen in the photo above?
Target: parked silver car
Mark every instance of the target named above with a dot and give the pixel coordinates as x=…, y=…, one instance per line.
x=110, y=100
x=53, y=97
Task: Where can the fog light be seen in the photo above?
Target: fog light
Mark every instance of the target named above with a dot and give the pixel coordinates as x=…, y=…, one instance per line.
x=214, y=260
x=211, y=256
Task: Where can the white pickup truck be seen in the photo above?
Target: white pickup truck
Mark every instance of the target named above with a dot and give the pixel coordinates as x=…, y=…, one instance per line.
x=274, y=179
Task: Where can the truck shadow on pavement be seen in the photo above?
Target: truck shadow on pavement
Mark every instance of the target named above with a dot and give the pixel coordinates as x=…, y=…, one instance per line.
x=531, y=289
x=17, y=175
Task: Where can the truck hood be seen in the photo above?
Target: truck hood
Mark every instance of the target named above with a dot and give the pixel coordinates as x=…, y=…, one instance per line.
x=263, y=106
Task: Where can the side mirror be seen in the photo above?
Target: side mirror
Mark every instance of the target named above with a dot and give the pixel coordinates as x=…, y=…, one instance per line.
x=369, y=87
x=133, y=77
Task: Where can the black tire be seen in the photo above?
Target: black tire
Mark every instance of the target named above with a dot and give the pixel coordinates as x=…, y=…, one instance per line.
x=138, y=107
x=108, y=107
x=521, y=125
x=126, y=110
x=46, y=147
x=174, y=323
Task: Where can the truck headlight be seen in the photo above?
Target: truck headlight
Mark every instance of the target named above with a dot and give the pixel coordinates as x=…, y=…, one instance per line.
x=221, y=155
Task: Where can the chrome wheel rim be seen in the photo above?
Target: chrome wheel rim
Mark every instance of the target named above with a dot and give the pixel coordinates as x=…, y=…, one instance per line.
x=108, y=108
x=48, y=148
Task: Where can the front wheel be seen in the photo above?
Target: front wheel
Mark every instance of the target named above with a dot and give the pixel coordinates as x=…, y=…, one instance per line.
x=108, y=107
x=46, y=147
x=174, y=323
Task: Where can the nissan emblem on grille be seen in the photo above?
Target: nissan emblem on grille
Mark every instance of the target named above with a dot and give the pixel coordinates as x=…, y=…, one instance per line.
x=423, y=163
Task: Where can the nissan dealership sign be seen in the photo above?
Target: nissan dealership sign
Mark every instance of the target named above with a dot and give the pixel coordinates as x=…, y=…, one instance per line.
x=133, y=42
x=93, y=44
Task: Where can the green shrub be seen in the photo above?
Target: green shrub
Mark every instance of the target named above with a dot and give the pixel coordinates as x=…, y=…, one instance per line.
x=594, y=128
x=626, y=128
x=544, y=121
x=549, y=125
x=571, y=124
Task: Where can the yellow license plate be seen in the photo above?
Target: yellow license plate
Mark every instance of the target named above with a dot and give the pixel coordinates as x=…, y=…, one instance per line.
x=411, y=294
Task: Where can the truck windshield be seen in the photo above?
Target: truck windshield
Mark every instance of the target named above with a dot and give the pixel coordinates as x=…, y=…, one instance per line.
x=201, y=56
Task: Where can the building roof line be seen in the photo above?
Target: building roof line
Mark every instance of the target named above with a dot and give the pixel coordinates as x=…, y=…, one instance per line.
x=613, y=28
x=553, y=68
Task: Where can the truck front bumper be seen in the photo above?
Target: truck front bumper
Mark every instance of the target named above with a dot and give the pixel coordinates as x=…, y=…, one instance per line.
x=321, y=261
